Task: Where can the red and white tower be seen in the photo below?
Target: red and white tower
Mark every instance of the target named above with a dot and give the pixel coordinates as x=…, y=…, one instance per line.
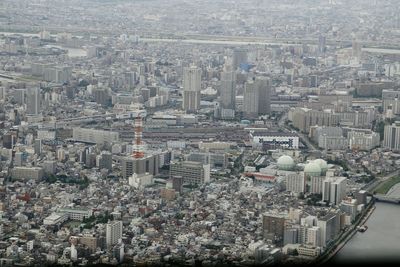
x=138, y=147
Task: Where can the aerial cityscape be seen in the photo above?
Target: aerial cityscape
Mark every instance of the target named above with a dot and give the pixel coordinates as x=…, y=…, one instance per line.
x=199, y=132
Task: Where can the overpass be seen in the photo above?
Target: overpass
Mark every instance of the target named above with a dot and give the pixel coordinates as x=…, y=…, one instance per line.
x=386, y=198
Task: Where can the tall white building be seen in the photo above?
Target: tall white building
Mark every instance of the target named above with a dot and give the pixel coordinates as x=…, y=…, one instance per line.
x=334, y=190
x=295, y=182
x=33, y=101
x=362, y=140
x=314, y=236
x=191, y=89
x=316, y=183
x=392, y=136
x=113, y=232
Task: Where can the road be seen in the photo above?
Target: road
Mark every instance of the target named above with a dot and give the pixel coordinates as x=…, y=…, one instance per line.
x=379, y=180
x=304, y=139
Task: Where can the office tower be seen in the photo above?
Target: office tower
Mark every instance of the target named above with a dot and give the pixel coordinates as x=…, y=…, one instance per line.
x=102, y=96
x=361, y=197
x=228, y=88
x=38, y=146
x=3, y=93
x=19, y=96
x=356, y=49
x=129, y=79
x=314, y=81
x=9, y=140
x=18, y=159
x=89, y=241
x=264, y=94
x=113, y=232
x=118, y=251
x=291, y=236
x=177, y=183
x=322, y=44
x=391, y=138
x=145, y=93
x=330, y=227
x=334, y=190
x=70, y=92
x=273, y=226
x=191, y=89
x=239, y=57
x=192, y=172
x=33, y=101
x=105, y=160
x=250, y=99
x=49, y=166
x=147, y=164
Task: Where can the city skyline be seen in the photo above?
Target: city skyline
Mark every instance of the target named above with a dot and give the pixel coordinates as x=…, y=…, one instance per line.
x=199, y=133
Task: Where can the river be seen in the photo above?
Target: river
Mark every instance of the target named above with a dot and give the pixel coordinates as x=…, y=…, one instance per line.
x=380, y=243
x=81, y=52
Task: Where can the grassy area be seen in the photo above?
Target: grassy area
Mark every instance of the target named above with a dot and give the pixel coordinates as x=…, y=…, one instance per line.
x=73, y=224
x=385, y=187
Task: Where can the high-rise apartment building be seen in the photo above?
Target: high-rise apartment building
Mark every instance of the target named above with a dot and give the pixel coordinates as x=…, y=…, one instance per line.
x=228, y=88
x=264, y=94
x=251, y=99
x=334, y=190
x=295, y=182
x=33, y=101
x=191, y=89
x=392, y=136
x=113, y=232
x=322, y=44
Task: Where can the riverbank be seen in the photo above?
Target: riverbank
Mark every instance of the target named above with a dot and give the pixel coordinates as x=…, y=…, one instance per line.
x=345, y=236
x=387, y=185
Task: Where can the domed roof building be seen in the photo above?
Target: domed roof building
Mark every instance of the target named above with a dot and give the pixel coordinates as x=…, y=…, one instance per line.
x=285, y=163
x=322, y=164
x=312, y=169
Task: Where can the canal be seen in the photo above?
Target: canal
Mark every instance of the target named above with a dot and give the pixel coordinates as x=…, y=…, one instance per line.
x=380, y=243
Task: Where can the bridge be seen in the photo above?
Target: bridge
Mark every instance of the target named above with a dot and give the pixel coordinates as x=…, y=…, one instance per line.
x=386, y=198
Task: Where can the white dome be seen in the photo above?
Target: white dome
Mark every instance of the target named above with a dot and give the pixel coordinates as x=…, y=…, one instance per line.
x=322, y=164
x=312, y=168
x=285, y=163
